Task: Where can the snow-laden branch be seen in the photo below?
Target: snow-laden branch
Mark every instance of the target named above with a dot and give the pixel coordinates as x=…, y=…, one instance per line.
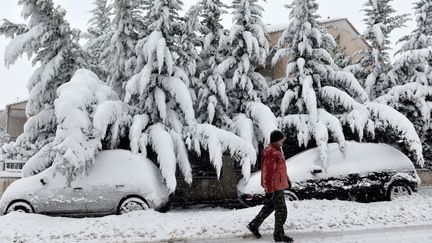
x=384, y=116
x=218, y=141
x=263, y=118
x=162, y=143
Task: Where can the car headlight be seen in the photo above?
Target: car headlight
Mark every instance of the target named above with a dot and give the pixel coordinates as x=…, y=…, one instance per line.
x=249, y=197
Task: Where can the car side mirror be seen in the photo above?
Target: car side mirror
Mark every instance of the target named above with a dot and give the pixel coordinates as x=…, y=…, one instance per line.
x=43, y=181
x=316, y=171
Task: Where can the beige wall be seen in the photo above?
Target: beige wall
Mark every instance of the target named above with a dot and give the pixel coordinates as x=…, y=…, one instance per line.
x=278, y=70
x=15, y=119
x=349, y=38
x=4, y=183
x=3, y=119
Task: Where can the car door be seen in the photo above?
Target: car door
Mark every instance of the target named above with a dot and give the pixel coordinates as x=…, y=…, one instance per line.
x=63, y=199
x=102, y=199
x=334, y=182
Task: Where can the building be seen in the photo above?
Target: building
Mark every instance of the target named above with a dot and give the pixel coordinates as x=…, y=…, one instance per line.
x=12, y=121
x=349, y=39
x=14, y=118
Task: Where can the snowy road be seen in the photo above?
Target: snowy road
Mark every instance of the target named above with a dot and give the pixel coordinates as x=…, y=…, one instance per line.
x=404, y=220
x=410, y=234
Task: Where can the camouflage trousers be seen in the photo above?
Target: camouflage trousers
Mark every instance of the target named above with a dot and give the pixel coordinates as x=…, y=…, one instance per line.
x=273, y=203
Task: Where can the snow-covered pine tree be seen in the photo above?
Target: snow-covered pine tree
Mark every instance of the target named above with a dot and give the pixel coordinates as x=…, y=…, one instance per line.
x=98, y=37
x=311, y=76
x=88, y=111
x=411, y=71
x=187, y=46
x=52, y=45
x=128, y=25
x=246, y=88
x=4, y=137
x=380, y=22
x=10, y=30
x=164, y=116
x=317, y=98
x=212, y=98
x=414, y=63
x=249, y=50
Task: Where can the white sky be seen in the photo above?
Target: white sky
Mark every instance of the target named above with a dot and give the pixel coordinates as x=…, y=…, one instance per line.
x=13, y=80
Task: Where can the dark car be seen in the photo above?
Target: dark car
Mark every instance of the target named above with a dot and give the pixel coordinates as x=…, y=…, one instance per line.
x=365, y=172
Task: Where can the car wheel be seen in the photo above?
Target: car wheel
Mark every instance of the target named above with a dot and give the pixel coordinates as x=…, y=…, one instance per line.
x=290, y=196
x=398, y=190
x=22, y=207
x=132, y=204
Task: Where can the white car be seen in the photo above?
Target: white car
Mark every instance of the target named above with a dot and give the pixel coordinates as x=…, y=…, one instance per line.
x=118, y=182
x=365, y=172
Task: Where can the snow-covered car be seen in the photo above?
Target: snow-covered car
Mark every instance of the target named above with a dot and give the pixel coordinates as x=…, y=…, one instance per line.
x=118, y=182
x=365, y=172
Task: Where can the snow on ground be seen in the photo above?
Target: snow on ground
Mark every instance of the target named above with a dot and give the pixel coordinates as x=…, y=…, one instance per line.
x=204, y=224
x=410, y=234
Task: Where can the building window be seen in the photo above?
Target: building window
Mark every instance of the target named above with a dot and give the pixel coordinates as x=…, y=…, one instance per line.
x=14, y=166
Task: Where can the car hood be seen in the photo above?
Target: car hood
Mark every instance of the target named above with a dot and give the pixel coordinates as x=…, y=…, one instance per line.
x=23, y=189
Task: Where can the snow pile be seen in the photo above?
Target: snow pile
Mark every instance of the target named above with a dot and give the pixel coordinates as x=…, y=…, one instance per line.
x=150, y=226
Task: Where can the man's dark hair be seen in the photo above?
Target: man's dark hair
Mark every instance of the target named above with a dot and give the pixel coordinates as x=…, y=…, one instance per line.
x=275, y=136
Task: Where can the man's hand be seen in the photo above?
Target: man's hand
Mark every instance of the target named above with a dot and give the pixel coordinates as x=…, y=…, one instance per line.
x=268, y=196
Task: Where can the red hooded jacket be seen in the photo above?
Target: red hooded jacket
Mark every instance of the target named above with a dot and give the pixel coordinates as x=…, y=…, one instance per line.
x=273, y=169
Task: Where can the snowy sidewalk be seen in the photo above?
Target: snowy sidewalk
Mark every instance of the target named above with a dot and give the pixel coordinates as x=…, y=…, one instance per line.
x=304, y=217
x=412, y=234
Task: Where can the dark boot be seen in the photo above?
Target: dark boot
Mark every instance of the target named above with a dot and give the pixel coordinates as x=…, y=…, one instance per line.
x=283, y=238
x=254, y=230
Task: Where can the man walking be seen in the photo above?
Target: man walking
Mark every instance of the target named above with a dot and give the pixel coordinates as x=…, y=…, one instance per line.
x=274, y=180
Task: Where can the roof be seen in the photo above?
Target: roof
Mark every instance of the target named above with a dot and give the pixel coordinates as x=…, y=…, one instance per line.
x=280, y=27
x=18, y=101
x=273, y=28
x=15, y=102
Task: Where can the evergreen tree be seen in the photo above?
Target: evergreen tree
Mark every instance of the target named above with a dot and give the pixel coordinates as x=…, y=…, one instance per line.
x=380, y=22
x=98, y=37
x=53, y=46
x=164, y=118
x=187, y=45
x=128, y=24
x=246, y=88
x=4, y=137
x=411, y=71
x=414, y=63
x=317, y=98
x=212, y=97
x=249, y=49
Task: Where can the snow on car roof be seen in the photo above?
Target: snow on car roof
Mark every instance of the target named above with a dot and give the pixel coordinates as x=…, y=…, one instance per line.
x=124, y=167
x=358, y=158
